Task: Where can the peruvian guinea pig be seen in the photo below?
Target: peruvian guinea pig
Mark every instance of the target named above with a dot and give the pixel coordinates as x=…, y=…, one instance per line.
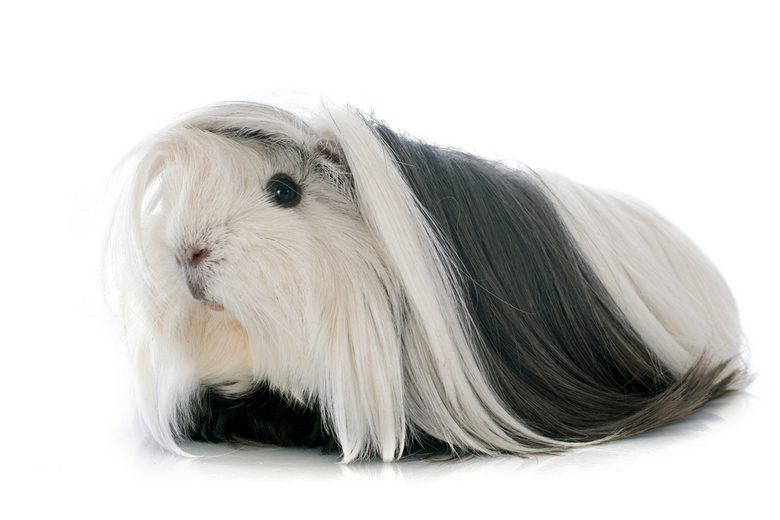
x=330, y=282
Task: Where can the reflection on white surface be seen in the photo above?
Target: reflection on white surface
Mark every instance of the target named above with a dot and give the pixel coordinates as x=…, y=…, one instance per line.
x=687, y=466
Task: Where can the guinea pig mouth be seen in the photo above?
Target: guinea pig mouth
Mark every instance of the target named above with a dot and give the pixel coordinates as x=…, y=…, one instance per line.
x=199, y=292
x=196, y=287
x=190, y=259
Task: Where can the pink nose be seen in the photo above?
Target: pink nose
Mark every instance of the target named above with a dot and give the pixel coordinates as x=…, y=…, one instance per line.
x=196, y=255
x=192, y=255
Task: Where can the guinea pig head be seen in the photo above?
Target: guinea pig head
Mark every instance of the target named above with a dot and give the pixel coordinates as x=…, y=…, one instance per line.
x=251, y=239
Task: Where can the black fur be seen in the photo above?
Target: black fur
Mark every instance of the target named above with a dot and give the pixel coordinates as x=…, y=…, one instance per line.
x=559, y=352
x=261, y=416
x=264, y=417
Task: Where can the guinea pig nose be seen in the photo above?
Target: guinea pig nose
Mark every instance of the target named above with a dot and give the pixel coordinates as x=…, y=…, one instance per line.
x=194, y=255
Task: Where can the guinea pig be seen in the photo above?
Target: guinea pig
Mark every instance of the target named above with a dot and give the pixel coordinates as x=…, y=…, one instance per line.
x=326, y=281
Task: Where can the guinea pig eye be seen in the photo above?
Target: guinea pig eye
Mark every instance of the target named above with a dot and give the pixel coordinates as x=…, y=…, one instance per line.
x=284, y=191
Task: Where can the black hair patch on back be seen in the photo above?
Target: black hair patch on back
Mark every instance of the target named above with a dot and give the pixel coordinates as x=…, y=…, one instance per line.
x=556, y=348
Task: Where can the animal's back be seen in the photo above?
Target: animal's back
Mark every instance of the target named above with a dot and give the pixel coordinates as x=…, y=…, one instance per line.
x=598, y=318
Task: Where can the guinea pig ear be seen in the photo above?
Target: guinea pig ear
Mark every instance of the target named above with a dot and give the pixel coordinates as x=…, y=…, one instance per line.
x=329, y=150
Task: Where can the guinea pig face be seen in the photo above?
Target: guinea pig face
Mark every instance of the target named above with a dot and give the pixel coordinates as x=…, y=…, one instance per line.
x=238, y=240
x=230, y=212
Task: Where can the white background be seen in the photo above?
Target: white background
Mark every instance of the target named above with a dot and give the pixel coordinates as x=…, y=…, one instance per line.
x=674, y=102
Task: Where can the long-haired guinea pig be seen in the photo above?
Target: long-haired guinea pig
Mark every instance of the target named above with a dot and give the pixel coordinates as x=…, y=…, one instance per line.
x=330, y=282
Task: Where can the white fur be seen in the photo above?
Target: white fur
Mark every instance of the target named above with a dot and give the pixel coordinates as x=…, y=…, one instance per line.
x=671, y=293
x=305, y=291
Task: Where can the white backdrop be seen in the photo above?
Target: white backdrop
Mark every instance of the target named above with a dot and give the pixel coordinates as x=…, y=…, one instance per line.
x=674, y=102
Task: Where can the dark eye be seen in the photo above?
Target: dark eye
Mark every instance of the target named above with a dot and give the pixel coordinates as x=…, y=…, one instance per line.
x=284, y=191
